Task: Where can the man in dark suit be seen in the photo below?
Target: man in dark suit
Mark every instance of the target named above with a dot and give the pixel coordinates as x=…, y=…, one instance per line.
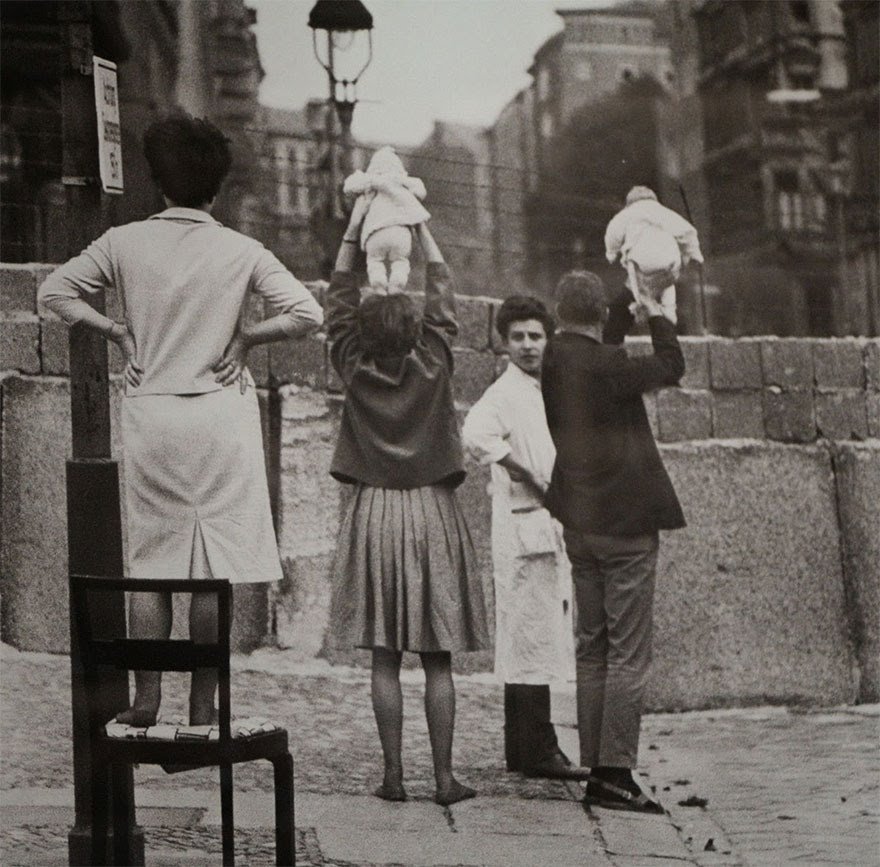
x=611, y=493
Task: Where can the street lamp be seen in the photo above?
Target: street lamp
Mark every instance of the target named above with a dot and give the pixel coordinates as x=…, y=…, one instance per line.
x=341, y=53
x=342, y=21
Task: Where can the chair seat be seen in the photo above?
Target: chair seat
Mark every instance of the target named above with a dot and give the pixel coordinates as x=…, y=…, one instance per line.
x=174, y=731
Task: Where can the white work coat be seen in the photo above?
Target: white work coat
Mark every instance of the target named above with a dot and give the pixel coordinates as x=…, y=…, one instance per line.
x=533, y=596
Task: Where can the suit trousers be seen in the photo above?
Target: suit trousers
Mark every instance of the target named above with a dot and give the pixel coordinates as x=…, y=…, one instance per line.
x=614, y=588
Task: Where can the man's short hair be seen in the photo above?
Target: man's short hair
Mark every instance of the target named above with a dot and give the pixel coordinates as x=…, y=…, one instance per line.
x=581, y=298
x=389, y=325
x=519, y=308
x=188, y=158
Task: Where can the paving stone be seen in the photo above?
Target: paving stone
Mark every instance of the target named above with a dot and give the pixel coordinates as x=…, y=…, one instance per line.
x=506, y=816
x=841, y=414
x=632, y=834
x=838, y=364
x=787, y=363
x=735, y=364
x=737, y=414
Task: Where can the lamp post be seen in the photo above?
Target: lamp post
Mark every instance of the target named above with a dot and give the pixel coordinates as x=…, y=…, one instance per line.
x=341, y=23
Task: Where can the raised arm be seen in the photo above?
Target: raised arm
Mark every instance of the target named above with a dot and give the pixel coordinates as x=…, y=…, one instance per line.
x=439, y=292
x=629, y=377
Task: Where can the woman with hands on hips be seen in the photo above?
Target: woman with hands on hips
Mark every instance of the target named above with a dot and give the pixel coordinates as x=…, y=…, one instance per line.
x=195, y=479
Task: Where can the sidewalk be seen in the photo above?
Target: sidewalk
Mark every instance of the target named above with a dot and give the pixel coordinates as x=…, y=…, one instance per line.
x=768, y=786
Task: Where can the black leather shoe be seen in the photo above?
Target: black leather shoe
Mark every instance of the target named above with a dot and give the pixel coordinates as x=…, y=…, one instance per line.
x=557, y=766
x=601, y=793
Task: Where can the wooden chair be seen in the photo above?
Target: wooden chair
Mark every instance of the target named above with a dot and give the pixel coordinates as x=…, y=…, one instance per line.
x=110, y=755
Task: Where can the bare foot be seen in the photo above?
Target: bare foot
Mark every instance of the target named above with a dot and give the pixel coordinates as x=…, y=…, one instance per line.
x=390, y=792
x=138, y=716
x=455, y=793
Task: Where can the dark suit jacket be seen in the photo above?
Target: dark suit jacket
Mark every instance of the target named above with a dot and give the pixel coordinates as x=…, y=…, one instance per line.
x=608, y=477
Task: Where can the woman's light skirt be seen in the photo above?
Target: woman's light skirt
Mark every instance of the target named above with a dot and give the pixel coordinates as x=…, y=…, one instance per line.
x=196, y=491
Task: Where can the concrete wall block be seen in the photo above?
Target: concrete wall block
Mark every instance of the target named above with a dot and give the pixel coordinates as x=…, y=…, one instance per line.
x=735, y=365
x=301, y=362
x=474, y=320
x=495, y=342
x=857, y=473
x=55, y=347
x=638, y=347
x=308, y=496
x=684, y=414
x=36, y=442
x=787, y=363
x=696, y=362
x=789, y=416
x=737, y=415
x=841, y=414
x=301, y=604
x=872, y=406
x=750, y=605
x=18, y=289
x=258, y=364
x=20, y=342
x=838, y=364
x=35, y=447
x=474, y=373
x=871, y=353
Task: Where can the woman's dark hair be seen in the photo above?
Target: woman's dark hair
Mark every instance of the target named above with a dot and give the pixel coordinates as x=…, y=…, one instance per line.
x=188, y=158
x=581, y=298
x=389, y=325
x=518, y=308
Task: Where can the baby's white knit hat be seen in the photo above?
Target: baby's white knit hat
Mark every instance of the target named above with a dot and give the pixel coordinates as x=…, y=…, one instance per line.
x=636, y=194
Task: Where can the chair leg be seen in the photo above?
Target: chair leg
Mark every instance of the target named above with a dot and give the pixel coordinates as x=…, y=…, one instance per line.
x=100, y=810
x=285, y=824
x=122, y=821
x=226, y=815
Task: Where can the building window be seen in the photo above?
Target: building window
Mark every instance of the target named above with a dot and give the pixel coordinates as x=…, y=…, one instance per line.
x=789, y=201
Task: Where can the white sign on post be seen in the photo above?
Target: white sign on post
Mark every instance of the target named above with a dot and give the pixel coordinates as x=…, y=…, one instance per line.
x=109, y=131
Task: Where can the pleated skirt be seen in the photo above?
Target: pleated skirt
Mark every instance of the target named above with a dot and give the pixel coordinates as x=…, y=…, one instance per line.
x=404, y=574
x=197, y=498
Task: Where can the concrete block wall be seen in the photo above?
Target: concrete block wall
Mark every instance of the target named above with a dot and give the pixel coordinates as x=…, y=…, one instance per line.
x=770, y=594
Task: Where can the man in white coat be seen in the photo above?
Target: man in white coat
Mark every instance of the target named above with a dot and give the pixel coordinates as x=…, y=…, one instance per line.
x=507, y=428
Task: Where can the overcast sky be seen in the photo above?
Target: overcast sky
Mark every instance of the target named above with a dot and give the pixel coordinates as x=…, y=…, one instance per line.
x=454, y=60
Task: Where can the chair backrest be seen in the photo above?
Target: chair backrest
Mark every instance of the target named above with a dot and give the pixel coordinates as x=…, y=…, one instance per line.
x=97, y=650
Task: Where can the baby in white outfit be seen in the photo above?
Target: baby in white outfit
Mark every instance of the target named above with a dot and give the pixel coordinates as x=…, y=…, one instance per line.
x=389, y=200
x=653, y=243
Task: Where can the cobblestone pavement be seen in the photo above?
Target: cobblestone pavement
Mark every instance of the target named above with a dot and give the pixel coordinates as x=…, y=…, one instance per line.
x=765, y=786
